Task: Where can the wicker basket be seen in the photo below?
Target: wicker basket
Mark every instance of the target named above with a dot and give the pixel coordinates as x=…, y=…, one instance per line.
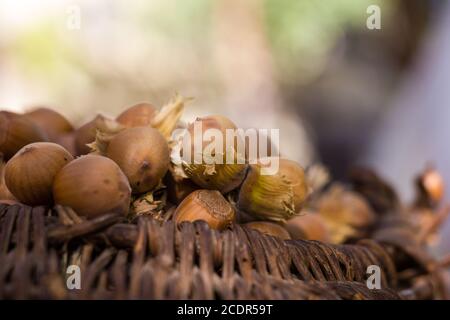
x=147, y=259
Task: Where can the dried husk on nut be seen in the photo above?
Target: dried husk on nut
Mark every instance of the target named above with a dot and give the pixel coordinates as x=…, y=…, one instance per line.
x=425, y=213
x=310, y=226
x=51, y=122
x=212, y=174
x=92, y=185
x=207, y=205
x=269, y=228
x=143, y=155
x=317, y=176
x=347, y=214
x=153, y=204
x=29, y=175
x=164, y=120
x=17, y=131
x=430, y=189
x=145, y=114
x=168, y=117
x=106, y=129
x=222, y=177
x=85, y=135
x=276, y=197
x=347, y=206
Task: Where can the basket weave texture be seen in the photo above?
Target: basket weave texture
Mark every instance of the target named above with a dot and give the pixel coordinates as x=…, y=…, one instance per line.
x=148, y=259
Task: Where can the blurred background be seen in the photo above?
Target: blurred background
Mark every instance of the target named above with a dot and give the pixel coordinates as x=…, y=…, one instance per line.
x=340, y=93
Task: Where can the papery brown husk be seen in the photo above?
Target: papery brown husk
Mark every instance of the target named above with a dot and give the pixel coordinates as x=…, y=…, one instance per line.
x=165, y=121
x=224, y=175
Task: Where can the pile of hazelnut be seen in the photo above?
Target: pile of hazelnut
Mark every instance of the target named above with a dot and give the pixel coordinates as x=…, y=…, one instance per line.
x=124, y=165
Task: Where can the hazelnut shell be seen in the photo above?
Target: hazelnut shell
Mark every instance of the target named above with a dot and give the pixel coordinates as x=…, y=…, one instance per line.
x=143, y=155
x=207, y=205
x=92, y=185
x=29, y=175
